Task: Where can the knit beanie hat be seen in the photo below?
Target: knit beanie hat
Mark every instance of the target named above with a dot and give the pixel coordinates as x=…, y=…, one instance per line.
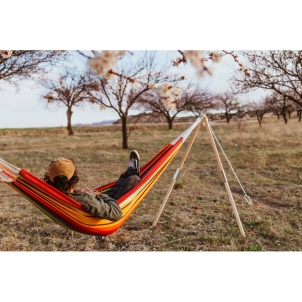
x=61, y=166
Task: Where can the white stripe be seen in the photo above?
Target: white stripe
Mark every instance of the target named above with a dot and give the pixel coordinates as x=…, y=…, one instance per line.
x=188, y=131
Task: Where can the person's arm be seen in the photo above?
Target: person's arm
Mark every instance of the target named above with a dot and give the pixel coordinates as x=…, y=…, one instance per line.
x=101, y=206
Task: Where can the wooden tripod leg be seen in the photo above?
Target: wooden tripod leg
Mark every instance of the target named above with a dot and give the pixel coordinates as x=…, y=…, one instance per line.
x=175, y=176
x=226, y=184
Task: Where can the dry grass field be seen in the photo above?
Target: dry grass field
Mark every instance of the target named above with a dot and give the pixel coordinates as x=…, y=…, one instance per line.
x=198, y=214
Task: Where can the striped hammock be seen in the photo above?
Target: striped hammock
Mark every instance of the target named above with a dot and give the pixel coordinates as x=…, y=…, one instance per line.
x=72, y=215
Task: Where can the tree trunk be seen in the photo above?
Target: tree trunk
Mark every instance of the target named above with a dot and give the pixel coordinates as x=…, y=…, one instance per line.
x=284, y=117
x=259, y=121
x=170, y=122
x=124, y=131
x=69, y=114
x=227, y=117
x=299, y=115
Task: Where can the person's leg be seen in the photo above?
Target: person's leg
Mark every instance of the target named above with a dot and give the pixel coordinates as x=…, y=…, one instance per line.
x=129, y=173
x=128, y=184
x=128, y=179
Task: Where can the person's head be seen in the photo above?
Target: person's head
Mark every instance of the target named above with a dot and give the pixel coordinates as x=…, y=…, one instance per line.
x=62, y=174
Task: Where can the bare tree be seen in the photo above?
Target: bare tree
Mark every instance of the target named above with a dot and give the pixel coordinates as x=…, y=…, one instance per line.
x=280, y=105
x=132, y=80
x=204, y=101
x=292, y=108
x=71, y=89
x=299, y=112
x=273, y=105
x=192, y=98
x=276, y=70
x=228, y=104
x=18, y=65
x=259, y=109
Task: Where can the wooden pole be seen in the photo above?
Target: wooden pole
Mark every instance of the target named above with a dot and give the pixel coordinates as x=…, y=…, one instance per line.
x=175, y=176
x=226, y=184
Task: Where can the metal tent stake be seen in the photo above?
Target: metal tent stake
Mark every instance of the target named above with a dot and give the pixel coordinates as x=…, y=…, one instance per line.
x=226, y=184
x=175, y=176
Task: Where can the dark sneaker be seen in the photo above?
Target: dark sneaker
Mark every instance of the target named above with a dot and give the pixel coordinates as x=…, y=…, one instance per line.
x=134, y=161
x=134, y=154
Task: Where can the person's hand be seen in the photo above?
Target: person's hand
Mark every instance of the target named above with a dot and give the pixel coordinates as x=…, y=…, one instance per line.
x=88, y=191
x=82, y=191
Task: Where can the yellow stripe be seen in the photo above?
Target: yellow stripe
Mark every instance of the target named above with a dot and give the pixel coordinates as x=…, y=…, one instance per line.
x=85, y=219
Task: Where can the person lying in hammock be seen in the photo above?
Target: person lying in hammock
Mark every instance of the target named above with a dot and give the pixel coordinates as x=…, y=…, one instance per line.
x=62, y=175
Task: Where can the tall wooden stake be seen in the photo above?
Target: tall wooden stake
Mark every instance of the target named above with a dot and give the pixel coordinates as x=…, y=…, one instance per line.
x=226, y=184
x=175, y=176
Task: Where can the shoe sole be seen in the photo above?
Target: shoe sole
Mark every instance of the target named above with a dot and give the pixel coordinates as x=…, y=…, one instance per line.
x=134, y=154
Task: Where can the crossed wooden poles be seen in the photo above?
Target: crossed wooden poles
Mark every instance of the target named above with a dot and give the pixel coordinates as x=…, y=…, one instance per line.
x=220, y=167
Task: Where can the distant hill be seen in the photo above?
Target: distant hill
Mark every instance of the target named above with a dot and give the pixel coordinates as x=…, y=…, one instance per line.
x=107, y=122
x=142, y=118
x=152, y=118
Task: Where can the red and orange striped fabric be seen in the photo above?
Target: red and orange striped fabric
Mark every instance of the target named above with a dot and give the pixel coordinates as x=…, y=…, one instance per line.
x=70, y=214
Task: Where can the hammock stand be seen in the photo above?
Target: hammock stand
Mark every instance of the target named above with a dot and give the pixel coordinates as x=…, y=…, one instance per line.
x=72, y=215
x=220, y=167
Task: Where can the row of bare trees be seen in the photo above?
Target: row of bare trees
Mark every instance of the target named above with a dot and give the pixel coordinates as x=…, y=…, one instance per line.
x=136, y=84
x=123, y=85
x=120, y=93
x=132, y=91
x=278, y=71
x=275, y=103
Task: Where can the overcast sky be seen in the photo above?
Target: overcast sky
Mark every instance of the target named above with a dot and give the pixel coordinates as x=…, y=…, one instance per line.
x=25, y=108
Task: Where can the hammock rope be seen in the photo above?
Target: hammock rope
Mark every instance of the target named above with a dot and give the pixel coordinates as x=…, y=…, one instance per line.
x=69, y=213
x=4, y=174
